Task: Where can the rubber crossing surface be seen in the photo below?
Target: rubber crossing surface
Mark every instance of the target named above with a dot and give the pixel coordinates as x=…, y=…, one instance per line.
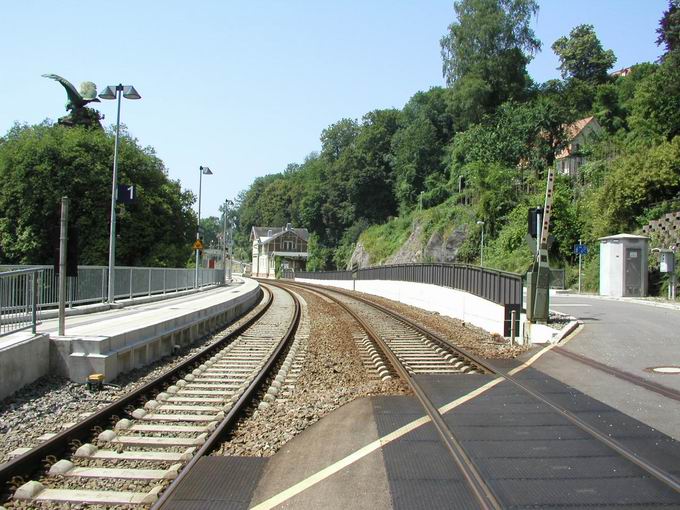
x=218, y=483
x=533, y=457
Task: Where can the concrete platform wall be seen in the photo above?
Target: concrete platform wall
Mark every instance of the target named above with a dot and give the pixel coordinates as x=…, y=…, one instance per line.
x=76, y=357
x=450, y=302
x=23, y=362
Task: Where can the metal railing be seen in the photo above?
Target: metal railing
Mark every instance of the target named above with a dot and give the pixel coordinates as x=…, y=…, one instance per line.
x=500, y=287
x=91, y=286
x=18, y=300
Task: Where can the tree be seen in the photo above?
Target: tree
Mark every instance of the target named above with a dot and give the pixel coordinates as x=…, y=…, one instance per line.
x=582, y=56
x=40, y=164
x=338, y=137
x=655, y=107
x=486, y=51
x=669, y=27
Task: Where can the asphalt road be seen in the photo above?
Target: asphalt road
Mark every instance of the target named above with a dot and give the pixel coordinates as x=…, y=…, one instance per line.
x=628, y=336
x=625, y=335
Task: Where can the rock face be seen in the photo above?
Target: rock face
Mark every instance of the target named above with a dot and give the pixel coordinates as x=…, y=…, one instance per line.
x=437, y=249
x=360, y=256
x=411, y=251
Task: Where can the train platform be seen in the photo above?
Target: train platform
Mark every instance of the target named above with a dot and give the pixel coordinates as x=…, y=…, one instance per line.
x=118, y=339
x=383, y=452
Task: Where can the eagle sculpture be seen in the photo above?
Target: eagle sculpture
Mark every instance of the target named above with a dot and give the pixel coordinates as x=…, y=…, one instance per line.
x=77, y=101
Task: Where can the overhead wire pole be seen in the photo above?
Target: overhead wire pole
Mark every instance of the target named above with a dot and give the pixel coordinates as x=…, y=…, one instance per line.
x=224, y=242
x=63, y=251
x=201, y=170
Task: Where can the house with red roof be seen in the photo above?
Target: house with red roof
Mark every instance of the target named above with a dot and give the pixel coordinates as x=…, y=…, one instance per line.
x=570, y=159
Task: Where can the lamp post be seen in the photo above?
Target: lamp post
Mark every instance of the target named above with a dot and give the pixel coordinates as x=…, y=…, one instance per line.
x=201, y=170
x=115, y=92
x=481, y=251
x=227, y=279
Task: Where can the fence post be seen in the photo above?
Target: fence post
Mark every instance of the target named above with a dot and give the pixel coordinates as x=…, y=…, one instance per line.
x=165, y=280
x=34, y=301
x=104, y=291
x=130, y=283
x=149, y=281
x=513, y=333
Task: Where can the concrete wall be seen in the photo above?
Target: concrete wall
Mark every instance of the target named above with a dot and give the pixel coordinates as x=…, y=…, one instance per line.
x=23, y=361
x=450, y=302
x=76, y=357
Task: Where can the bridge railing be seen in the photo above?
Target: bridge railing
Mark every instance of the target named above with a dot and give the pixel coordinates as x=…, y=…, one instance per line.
x=499, y=287
x=91, y=286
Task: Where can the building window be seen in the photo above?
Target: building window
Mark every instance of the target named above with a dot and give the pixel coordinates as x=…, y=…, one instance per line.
x=288, y=245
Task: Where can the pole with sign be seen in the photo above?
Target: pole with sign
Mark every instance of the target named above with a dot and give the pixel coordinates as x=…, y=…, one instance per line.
x=580, y=249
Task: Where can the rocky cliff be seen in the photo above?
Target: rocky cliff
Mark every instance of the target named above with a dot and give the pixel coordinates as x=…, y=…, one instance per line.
x=438, y=248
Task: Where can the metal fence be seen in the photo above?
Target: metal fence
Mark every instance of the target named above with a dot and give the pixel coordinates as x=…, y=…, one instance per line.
x=91, y=286
x=18, y=300
x=498, y=286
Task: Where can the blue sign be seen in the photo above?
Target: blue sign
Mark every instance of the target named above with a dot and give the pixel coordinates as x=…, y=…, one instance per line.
x=580, y=249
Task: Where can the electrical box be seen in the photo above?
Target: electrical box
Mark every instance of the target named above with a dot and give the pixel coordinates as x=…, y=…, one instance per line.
x=623, y=265
x=667, y=262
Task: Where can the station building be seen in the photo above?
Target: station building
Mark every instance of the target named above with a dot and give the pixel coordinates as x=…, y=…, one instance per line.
x=282, y=247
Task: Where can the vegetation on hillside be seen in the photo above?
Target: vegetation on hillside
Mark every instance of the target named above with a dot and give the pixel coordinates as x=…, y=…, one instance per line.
x=496, y=131
x=40, y=164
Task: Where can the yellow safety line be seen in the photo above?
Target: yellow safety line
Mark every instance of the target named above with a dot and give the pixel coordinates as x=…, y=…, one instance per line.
x=359, y=454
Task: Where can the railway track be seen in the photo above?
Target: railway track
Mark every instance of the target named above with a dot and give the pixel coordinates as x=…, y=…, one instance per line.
x=411, y=350
x=130, y=452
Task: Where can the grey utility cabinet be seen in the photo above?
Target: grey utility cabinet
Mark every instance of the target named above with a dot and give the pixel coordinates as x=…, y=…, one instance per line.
x=623, y=265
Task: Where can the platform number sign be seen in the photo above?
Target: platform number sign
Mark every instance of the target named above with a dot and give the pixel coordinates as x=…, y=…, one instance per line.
x=125, y=194
x=580, y=249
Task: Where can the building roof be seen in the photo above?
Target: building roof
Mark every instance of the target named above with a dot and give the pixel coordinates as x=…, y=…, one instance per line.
x=573, y=130
x=261, y=233
x=622, y=236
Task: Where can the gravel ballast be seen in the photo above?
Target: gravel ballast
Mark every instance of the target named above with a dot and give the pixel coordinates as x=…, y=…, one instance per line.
x=331, y=375
x=52, y=401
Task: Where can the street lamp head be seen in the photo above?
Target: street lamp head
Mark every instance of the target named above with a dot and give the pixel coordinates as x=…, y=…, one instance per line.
x=129, y=92
x=108, y=93
x=205, y=170
x=480, y=222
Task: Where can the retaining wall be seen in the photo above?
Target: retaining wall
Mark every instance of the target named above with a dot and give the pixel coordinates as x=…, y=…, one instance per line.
x=23, y=361
x=446, y=301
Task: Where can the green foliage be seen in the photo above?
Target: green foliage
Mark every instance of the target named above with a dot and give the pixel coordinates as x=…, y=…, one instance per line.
x=669, y=27
x=634, y=181
x=40, y=164
x=211, y=228
x=655, y=107
x=319, y=256
x=485, y=53
x=582, y=56
x=499, y=132
x=381, y=241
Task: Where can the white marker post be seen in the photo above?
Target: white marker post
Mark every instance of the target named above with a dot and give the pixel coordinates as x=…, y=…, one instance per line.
x=579, y=266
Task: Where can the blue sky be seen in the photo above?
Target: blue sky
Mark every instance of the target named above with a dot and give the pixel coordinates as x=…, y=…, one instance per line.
x=247, y=87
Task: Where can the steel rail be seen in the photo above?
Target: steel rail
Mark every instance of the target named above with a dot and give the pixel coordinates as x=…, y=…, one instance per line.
x=626, y=376
x=667, y=478
x=216, y=437
x=480, y=490
x=23, y=467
